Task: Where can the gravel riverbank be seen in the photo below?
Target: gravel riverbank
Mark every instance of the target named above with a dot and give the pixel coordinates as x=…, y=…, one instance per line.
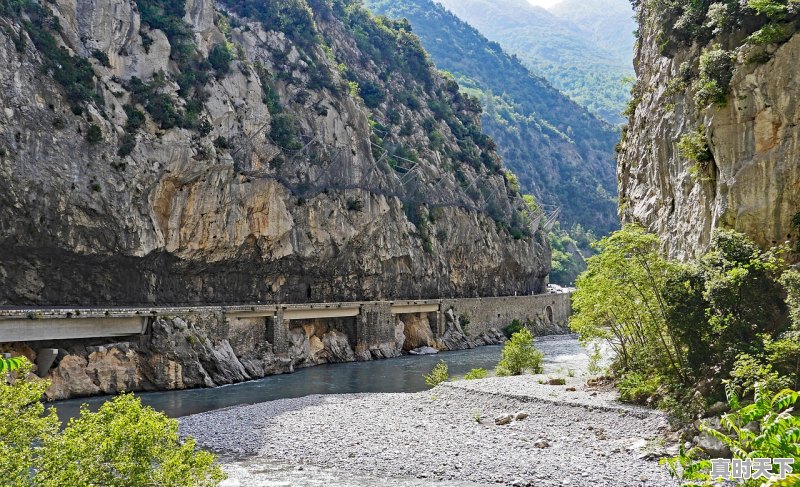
x=445, y=436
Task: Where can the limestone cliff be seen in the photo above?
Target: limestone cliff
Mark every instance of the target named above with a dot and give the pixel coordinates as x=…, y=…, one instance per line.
x=713, y=133
x=170, y=152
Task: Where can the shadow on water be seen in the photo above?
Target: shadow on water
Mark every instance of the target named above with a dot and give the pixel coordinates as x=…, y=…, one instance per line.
x=403, y=374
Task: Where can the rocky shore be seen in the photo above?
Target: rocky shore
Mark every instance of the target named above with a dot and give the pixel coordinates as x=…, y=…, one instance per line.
x=568, y=434
x=208, y=350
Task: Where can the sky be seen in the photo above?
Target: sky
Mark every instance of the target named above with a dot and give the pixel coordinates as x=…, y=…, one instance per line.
x=544, y=3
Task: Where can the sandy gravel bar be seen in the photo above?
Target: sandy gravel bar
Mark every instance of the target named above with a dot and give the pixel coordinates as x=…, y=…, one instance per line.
x=447, y=435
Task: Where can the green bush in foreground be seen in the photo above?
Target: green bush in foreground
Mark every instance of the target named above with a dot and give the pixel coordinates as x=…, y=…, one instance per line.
x=476, y=374
x=520, y=355
x=636, y=388
x=778, y=436
x=438, y=375
x=123, y=444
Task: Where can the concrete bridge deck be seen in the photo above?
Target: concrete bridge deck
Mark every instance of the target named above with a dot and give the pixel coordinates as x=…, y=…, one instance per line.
x=63, y=323
x=370, y=326
x=25, y=324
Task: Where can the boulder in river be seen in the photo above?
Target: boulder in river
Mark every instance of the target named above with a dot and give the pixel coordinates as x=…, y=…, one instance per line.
x=423, y=351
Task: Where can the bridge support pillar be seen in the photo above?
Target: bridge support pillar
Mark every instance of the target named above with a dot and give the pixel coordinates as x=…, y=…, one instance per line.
x=374, y=327
x=44, y=360
x=278, y=333
x=440, y=323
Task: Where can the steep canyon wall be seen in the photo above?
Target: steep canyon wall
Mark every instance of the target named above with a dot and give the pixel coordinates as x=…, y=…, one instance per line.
x=714, y=136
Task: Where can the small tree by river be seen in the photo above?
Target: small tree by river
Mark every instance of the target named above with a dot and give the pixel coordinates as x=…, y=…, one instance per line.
x=519, y=355
x=438, y=375
x=681, y=329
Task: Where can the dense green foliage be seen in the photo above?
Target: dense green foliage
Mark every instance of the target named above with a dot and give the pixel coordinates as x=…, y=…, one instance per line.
x=684, y=22
x=563, y=48
x=560, y=153
x=718, y=27
x=168, y=17
x=438, y=375
x=676, y=326
x=388, y=41
x=10, y=364
x=293, y=17
x=220, y=58
x=123, y=444
x=777, y=436
x=569, y=253
x=23, y=424
x=513, y=327
x=475, y=374
x=716, y=71
x=619, y=299
x=94, y=135
x=694, y=147
x=519, y=355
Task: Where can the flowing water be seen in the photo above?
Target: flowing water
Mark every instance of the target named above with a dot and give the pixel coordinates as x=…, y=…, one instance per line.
x=402, y=374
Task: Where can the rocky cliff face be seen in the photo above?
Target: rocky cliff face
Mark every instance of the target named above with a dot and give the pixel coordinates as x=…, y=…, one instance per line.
x=243, y=151
x=713, y=134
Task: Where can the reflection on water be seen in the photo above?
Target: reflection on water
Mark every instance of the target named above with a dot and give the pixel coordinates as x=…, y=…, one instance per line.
x=403, y=374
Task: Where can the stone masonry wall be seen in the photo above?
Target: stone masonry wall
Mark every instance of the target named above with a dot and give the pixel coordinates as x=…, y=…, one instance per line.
x=487, y=313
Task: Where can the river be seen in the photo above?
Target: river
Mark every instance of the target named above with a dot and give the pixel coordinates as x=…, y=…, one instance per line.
x=402, y=374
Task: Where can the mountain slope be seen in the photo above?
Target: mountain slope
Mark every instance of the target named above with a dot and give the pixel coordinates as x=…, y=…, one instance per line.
x=559, y=50
x=561, y=153
x=249, y=150
x=609, y=24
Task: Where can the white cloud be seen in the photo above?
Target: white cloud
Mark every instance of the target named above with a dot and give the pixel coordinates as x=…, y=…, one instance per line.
x=544, y=3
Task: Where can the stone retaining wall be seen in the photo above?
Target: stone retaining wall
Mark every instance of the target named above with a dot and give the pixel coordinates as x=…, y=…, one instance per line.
x=546, y=314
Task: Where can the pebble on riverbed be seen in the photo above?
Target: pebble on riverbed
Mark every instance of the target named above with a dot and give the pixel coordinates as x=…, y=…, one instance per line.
x=402, y=436
x=503, y=419
x=541, y=443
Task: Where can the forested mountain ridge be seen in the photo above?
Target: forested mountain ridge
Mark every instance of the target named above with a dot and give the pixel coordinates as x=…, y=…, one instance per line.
x=560, y=152
x=248, y=150
x=610, y=24
x=564, y=48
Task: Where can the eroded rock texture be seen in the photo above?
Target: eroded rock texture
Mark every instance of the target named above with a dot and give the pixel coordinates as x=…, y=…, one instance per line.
x=283, y=184
x=208, y=350
x=752, y=183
